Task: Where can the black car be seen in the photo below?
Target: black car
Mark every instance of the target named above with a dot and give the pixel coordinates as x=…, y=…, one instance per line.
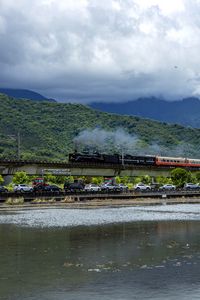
x=3, y=189
x=76, y=186
x=47, y=188
x=52, y=188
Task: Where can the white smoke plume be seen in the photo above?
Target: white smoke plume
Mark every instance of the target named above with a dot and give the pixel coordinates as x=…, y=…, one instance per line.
x=107, y=141
x=119, y=141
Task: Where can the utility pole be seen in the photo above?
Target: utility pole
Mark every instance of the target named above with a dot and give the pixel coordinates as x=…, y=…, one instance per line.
x=18, y=145
x=17, y=139
x=122, y=157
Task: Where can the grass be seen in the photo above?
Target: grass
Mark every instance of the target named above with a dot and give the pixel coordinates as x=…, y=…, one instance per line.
x=15, y=201
x=68, y=199
x=43, y=200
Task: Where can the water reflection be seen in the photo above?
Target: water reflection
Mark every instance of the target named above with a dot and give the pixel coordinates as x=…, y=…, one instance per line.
x=144, y=260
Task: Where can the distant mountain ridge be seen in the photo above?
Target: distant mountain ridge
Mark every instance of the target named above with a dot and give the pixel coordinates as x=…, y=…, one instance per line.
x=24, y=94
x=185, y=112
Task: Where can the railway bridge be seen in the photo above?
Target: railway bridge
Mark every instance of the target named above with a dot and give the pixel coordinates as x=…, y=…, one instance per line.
x=32, y=167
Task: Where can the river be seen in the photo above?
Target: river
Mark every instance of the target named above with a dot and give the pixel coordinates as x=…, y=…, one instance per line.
x=112, y=253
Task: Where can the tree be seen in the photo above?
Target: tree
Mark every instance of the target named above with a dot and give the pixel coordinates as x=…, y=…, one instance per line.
x=146, y=179
x=124, y=179
x=1, y=180
x=117, y=179
x=163, y=180
x=137, y=179
x=60, y=179
x=69, y=179
x=180, y=176
x=20, y=177
x=97, y=180
x=197, y=175
x=50, y=178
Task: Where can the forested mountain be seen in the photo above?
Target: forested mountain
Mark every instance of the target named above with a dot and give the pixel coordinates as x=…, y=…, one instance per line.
x=24, y=94
x=185, y=112
x=47, y=130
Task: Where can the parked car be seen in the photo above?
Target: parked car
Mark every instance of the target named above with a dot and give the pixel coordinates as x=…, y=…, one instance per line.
x=123, y=187
x=110, y=187
x=47, y=188
x=167, y=187
x=3, y=189
x=191, y=186
x=92, y=188
x=76, y=186
x=52, y=188
x=142, y=187
x=22, y=188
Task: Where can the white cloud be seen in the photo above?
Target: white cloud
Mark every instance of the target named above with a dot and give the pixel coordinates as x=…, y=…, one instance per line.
x=101, y=50
x=166, y=7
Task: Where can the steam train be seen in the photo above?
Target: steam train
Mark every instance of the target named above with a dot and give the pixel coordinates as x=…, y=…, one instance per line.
x=146, y=160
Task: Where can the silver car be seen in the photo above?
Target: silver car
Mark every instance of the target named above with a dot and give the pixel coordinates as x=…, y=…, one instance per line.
x=22, y=188
x=92, y=188
x=142, y=187
x=191, y=186
x=167, y=187
x=123, y=187
x=110, y=187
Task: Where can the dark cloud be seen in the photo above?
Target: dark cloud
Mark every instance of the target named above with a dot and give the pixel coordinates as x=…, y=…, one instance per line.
x=108, y=50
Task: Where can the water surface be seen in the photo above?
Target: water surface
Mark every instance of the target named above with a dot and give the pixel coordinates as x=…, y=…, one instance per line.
x=141, y=253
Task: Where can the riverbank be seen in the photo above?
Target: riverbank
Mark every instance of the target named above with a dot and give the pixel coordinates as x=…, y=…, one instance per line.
x=99, y=203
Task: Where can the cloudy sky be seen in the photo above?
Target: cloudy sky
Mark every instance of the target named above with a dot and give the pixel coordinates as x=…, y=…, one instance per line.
x=101, y=50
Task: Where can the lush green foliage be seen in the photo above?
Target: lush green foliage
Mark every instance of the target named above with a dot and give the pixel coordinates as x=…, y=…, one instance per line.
x=47, y=129
x=180, y=176
x=1, y=180
x=163, y=180
x=20, y=177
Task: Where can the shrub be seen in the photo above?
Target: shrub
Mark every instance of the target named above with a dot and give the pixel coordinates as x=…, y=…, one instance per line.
x=15, y=201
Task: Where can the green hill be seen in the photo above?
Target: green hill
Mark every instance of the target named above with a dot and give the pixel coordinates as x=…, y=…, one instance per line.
x=47, y=130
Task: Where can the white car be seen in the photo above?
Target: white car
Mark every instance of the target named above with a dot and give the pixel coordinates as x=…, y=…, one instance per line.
x=142, y=187
x=191, y=186
x=167, y=187
x=22, y=188
x=92, y=188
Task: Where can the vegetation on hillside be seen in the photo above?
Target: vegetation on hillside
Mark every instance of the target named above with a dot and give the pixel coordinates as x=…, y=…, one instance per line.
x=47, y=129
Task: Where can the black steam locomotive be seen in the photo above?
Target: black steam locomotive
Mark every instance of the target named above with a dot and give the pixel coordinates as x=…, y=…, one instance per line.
x=146, y=160
x=96, y=157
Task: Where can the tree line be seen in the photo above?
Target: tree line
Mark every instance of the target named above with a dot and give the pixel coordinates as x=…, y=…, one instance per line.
x=177, y=177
